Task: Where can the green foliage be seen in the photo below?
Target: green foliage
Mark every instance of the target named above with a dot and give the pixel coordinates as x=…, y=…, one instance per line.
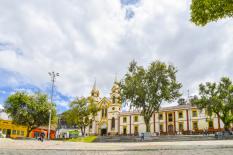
x=29, y=110
x=205, y=11
x=76, y=132
x=217, y=98
x=92, y=107
x=87, y=139
x=147, y=88
x=80, y=111
x=181, y=101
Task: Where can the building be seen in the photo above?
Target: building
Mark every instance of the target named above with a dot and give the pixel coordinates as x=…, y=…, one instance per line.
x=181, y=119
x=35, y=133
x=11, y=130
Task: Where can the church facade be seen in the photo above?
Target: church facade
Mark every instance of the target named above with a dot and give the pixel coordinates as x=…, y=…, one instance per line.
x=181, y=119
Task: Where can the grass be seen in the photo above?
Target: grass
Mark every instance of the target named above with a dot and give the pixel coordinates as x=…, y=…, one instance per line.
x=87, y=139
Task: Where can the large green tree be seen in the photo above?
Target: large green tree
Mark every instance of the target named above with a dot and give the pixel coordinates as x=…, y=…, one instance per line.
x=81, y=109
x=31, y=110
x=147, y=88
x=205, y=11
x=217, y=98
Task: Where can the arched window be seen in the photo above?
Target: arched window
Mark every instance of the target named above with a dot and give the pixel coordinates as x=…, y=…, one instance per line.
x=102, y=112
x=106, y=111
x=90, y=124
x=113, y=123
x=113, y=99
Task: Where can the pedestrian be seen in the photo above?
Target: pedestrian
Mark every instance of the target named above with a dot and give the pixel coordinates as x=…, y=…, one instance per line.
x=206, y=132
x=42, y=135
x=142, y=136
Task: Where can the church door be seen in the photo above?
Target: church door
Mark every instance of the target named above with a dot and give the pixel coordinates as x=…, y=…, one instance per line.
x=170, y=129
x=124, y=131
x=103, y=132
x=103, y=129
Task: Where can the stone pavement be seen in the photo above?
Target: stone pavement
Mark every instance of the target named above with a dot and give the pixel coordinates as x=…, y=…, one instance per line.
x=21, y=147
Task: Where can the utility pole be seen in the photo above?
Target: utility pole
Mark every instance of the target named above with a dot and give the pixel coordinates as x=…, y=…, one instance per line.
x=53, y=76
x=188, y=94
x=190, y=110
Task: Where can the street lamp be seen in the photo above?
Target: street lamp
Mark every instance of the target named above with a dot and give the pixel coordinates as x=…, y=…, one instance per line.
x=53, y=76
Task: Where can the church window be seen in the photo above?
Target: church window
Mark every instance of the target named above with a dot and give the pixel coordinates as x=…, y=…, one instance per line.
x=90, y=124
x=135, y=118
x=113, y=123
x=180, y=114
x=102, y=112
x=170, y=117
x=106, y=111
x=160, y=116
x=113, y=99
x=113, y=108
x=124, y=119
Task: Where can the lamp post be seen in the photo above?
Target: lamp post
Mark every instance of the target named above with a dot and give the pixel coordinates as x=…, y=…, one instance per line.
x=53, y=76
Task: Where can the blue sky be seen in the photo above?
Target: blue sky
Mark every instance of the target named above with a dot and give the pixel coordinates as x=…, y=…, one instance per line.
x=12, y=81
x=84, y=41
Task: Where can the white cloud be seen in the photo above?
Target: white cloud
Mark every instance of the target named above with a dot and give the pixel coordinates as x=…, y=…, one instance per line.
x=83, y=40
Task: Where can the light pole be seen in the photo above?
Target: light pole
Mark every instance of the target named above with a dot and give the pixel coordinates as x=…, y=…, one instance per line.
x=53, y=76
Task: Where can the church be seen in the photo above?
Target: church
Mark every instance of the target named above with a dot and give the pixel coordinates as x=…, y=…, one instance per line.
x=180, y=119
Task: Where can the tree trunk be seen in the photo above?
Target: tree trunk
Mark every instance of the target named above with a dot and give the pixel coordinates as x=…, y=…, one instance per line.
x=226, y=126
x=28, y=131
x=225, y=122
x=147, y=122
x=82, y=131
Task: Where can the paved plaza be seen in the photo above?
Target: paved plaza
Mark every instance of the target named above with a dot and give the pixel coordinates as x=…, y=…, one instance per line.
x=21, y=147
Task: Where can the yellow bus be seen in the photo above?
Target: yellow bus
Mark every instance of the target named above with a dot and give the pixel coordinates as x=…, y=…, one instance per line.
x=11, y=130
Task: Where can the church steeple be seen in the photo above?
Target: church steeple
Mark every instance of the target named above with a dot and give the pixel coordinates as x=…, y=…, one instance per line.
x=95, y=91
x=115, y=80
x=94, y=85
x=115, y=94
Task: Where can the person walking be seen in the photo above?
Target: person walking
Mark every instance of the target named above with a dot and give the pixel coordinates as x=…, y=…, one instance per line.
x=142, y=136
x=42, y=135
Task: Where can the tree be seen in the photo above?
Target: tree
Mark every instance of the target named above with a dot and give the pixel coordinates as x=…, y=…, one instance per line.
x=205, y=11
x=30, y=110
x=217, y=98
x=146, y=89
x=92, y=107
x=80, y=111
x=181, y=101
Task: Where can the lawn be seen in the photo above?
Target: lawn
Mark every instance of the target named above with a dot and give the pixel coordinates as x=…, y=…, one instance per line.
x=87, y=139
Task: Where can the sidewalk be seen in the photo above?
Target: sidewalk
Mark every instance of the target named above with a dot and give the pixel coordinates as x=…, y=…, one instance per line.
x=60, y=145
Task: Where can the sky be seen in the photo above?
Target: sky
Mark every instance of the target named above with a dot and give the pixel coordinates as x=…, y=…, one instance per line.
x=88, y=40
